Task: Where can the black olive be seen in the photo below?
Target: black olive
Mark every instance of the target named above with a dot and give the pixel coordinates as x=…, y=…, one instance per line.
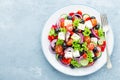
x=69, y=17
x=64, y=46
x=60, y=57
x=53, y=49
x=97, y=26
x=94, y=58
x=76, y=30
x=92, y=35
x=81, y=53
x=82, y=21
x=57, y=30
x=71, y=66
x=95, y=50
x=93, y=17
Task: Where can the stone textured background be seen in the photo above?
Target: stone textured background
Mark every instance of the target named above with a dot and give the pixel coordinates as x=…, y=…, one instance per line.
x=21, y=23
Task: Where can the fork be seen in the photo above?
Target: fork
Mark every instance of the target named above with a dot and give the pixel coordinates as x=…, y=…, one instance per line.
x=104, y=22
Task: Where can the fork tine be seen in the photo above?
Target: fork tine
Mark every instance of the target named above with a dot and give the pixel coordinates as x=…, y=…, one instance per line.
x=104, y=20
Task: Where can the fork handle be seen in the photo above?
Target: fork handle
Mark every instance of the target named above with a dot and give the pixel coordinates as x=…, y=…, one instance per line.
x=109, y=64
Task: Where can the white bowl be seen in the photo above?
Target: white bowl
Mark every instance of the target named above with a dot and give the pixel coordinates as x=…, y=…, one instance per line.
x=51, y=57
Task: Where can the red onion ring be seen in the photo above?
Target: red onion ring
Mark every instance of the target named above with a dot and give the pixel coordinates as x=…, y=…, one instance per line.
x=94, y=33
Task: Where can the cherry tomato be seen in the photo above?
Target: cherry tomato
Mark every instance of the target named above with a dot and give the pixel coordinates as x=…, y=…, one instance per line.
x=71, y=14
x=84, y=55
x=59, y=49
x=69, y=27
x=87, y=19
x=79, y=12
x=102, y=47
x=91, y=46
x=87, y=39
x=104, y=43
x=90, y=63
x=54, y=26
x=69, y=42
x=51, y=38
x=97, y=54
x=71, y=32
x=62, y=22
x=66, y=61
x=96, y=32
x=94, y=22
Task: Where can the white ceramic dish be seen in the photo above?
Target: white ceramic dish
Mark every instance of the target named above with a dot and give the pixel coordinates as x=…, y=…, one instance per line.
x=51, y=57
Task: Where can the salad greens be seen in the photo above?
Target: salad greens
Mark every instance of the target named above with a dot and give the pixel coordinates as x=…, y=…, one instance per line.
x=77, y=42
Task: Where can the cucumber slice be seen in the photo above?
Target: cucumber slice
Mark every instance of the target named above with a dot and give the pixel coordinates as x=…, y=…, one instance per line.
x=100, y=41
x=98, y=54
x=84, y=62
x=92, y=54
x=85, y=16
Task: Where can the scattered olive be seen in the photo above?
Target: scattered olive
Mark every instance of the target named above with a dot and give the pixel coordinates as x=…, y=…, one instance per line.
x=95, y=50
x=95, y=58
x=81, y=53
x=97, y=26
x=91, y=35
x=93, y=17
x=64, y=46
x=60, y=57
x=82, y=21
x=71, y=66
x=57, y=30
x=69, y=17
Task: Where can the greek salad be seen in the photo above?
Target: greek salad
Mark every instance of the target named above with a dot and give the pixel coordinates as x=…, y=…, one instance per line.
x=77, y=39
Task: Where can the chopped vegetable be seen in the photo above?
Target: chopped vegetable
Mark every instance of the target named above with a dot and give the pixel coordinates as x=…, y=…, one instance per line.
x=86, y=32
x=84, y=62
x=76, y=22
x=59, y=42
x=75, y=63
x=77, y=39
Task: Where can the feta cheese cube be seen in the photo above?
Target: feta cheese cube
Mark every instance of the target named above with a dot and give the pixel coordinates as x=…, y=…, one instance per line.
x=76, y=53
x=68, y=55
x=67, y=36
x=67, y=22
x=81, y=26
x=61, y=35
x=88, y=24
x=94, y=39
x=75, y=36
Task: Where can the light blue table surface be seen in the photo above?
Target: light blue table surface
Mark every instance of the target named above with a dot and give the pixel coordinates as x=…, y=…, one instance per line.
x=21, y=24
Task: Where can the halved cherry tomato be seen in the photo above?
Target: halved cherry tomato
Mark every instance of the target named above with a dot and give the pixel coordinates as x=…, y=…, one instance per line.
x=71, y=32
x=59, y=49
x=84, y=55
x=79, y=12
x=51, y=38
x=71, y=14
x=87, y=19
x=96, y=32
x=94, y=22
x=104, y=43
x=69, y=42
x=102, y=47
x=91, y=46
x=62, y=22
x=90, y=63
x=87, y=39
x=66, y=61
x=54, y=26
x=69, y=27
